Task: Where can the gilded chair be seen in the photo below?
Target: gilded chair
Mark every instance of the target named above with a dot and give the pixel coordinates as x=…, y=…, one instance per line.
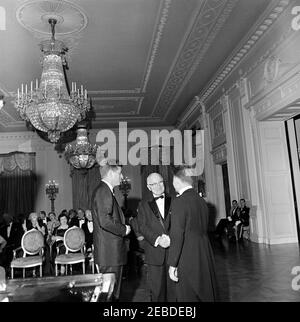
x=32, y=244
x=91, y=261
x=74, y=242
x=245, y=231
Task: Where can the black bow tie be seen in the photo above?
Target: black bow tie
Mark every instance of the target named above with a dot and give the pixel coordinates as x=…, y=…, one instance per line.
x=162, y=197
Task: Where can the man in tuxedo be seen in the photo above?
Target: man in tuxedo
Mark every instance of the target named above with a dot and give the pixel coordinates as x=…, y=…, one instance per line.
x=190, y=258
x=110, y=252
x=88, y=229
x=12, y=232
x=80, y=217
x=230, y=220
x=244, y=217
x=154, y=224
x=244, y=213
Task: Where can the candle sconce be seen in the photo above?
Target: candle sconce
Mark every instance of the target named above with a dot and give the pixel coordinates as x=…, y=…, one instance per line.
x=125, y=187
x=51, y=191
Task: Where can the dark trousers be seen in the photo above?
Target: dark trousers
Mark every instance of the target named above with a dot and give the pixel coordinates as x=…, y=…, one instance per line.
x=185, y=292
x=117, y=270
x=162, y=288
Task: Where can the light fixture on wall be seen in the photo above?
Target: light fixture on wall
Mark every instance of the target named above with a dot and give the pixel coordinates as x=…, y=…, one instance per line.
x=51, y=191
x=125, y=187
x=49, y=107
x=82, y=155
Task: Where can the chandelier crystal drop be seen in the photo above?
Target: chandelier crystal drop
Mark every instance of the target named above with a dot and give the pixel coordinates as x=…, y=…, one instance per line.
x=83, y=154
x=48, y=106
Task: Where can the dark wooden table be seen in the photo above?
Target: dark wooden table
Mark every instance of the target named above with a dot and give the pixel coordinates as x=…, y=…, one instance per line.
x=73, y=288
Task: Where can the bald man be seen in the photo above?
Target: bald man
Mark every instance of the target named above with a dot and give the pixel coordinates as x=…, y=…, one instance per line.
x=154, y=224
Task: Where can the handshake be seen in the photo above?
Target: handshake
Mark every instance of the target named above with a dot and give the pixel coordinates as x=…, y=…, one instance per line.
x=164, y=241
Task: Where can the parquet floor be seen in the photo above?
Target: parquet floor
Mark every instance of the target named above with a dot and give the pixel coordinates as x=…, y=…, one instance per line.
x=247, y=272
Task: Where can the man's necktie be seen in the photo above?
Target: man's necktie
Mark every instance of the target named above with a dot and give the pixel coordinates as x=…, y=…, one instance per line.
x=160, y=197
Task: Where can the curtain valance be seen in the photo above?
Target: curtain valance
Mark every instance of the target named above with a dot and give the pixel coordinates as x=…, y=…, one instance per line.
x=22, y=160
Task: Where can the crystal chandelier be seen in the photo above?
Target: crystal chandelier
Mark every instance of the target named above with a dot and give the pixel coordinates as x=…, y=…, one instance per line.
x=49, y=107
x=82, y=155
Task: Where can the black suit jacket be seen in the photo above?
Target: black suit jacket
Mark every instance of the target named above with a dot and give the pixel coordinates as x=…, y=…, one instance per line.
x=109, y=228
x=16, y=233
x=152, y=225
x=88, y=235
x=190, y=249
x=244, y=215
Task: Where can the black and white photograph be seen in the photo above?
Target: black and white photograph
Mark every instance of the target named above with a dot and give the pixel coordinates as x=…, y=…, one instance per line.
x=149, y=154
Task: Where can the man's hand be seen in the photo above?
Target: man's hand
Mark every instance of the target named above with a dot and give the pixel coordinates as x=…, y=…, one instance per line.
x=229, y=218
x=173, y=273
x=238, y=222
x=164, y=241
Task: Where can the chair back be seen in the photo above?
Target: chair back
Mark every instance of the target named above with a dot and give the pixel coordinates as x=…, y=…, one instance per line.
x=74, y=239
x=32, y=242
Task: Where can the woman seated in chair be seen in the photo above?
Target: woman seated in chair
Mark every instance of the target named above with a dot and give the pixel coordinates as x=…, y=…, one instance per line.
x=58, y=237
x=33, y=223
x=52, y=223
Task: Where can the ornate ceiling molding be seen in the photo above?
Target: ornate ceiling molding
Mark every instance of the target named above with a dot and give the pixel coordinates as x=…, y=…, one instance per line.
x=246, y=45
x=71, y=19
x=160, y=25
x=33, y=15
x=209, y=20
x=114, y=92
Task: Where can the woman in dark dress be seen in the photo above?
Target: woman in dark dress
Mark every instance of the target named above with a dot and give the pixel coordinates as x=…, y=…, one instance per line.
x=58, y=238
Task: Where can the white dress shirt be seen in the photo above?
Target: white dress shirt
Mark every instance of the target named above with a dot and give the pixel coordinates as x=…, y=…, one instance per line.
x=81, y=222
x=9, y=229
x=161, y=206
x=90, y=226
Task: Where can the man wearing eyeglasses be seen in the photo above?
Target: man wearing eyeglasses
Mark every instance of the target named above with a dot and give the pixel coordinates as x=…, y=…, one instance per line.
x=154, y=224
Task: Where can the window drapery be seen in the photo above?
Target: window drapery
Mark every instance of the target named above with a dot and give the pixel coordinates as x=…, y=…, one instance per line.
x=84, y=183
x=17, y=183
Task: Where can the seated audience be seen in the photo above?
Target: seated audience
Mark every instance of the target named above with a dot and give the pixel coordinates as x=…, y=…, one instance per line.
x=42, y=218
x=81, y=217
x=88, y=229
x=52, y=223
x=33, y=222
x=244, y=214
x=229, y=222
x=73, y=220
x=12, y=232
x=58, y=238
x=244, y=210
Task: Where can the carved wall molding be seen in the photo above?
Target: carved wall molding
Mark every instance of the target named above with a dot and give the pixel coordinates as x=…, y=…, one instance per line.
x=276, y=100
x=245, y=48
x=220, y=154
x=211, y=18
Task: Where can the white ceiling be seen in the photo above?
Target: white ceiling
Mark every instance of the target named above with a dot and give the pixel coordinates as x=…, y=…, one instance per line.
x=142, y=61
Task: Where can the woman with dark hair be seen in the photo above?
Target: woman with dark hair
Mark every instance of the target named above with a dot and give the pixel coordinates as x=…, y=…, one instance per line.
x=58, y=238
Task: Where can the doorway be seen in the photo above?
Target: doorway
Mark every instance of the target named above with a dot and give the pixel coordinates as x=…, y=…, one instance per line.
x=226, y=188
x=292, y=127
